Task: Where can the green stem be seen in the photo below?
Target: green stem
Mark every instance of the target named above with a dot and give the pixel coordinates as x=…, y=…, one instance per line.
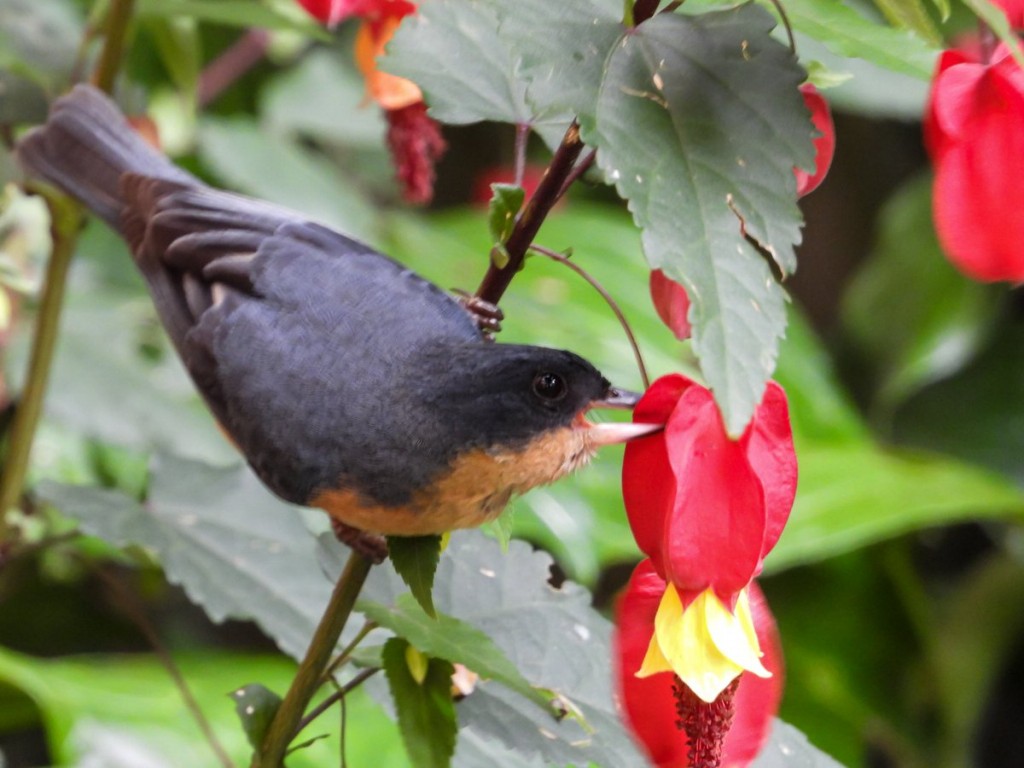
x=286, y=720
x=118, y=18
x=66, y=221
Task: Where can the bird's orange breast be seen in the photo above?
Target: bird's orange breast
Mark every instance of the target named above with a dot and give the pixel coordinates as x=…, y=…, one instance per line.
x=475, y=489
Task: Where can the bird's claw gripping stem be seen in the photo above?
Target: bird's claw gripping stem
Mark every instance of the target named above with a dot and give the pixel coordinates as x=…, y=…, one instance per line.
x=487, y=316
x=370, y=545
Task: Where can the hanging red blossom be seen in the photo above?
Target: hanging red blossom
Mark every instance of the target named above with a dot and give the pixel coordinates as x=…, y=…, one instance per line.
x=824, y=144
x=650, y=704
x=413, y=137
x=973, y=134
x=672, y=304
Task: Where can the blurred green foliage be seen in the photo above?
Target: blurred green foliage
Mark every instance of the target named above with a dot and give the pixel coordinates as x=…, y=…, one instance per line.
x=896, y=585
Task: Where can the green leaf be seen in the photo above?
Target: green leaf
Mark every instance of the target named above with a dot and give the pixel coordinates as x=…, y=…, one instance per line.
x=415, y=559
x=474, y=76
x=449, y=638
x=236, y=550
x=845, y=31
x=124, y=711
x=697, y=192
x=287, y=174
x=426, y=712
x=506, y=201
x=235, y=13
x=995, y=17
x=787, y=747
x=39, y=39
x=913, y=338
x=911, y=14
x=255, y=705
x=853, y=495
x=551, y=637
x=177, y=42
x=561, y=49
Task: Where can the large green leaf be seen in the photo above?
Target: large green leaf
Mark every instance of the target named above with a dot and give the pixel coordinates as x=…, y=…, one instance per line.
x=699, y=126
x=236, y=13
x=237, y=550
x=911, y=14
x=124, y=711
x=38, y=38
x=451, y=49
x=561, y=50
x=912, y=338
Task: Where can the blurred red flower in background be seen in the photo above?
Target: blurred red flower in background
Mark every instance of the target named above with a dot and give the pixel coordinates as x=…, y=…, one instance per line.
x=413, y=137
x=973, y=133
x=824, y=145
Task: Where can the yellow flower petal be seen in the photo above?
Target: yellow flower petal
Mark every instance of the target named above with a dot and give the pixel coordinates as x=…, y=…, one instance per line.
x=706, y=645
x=733, y=633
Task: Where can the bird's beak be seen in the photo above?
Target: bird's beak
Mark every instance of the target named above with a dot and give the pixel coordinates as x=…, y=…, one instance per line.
x=618, y=432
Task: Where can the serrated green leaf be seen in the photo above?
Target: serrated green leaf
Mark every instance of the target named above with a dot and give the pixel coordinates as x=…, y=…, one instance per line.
x=415, y=559
x=913, y=338
x=995, y=18
x=506, y=200
x=426, y=712
x=255, y=705
x=911, y=14
x=238, y=551
x=551, y=637
x=474, y=77
x=458, y=642
x=698, y=192
x=845, y=31
x=561, y=50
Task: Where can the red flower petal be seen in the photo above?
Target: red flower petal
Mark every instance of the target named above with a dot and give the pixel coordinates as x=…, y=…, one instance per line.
x=714, y=535
x=972, y=128
x=648, y=484
x=333, y=12
x=649, y=704
x=824, y=145
x=672, y=304
x=1014, y=10
x=769, y=447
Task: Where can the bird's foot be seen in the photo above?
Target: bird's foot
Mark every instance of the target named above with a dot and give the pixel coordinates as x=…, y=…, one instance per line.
x=370, y=545
x=487, y=316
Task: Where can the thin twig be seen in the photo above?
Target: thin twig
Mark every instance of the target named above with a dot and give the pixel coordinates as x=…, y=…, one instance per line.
x=307, y=680
x=236, y=60
x=577, y=172
x=550, y=189
x=134, y=610
x=335, y=697
x=346, y=652
x=786, y=24
x=522, y=135
x=561, y=259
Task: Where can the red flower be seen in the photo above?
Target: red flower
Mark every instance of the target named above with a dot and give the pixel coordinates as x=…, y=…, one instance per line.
x=824, y=145
x=672, y=304
x=1014, y=10
x=705, y=508
x=650, y=703
x=413, y=137
x=973, y=134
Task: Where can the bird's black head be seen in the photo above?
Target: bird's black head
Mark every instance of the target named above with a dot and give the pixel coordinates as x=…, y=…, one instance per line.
x=507, y=394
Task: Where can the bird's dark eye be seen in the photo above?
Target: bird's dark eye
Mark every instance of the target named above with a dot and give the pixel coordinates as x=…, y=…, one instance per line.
x=549, y=386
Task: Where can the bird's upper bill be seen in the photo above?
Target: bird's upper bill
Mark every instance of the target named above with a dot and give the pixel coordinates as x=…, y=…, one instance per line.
x=615, y=432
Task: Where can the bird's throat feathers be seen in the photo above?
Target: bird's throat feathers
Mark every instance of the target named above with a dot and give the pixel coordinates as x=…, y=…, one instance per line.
x=475, y=489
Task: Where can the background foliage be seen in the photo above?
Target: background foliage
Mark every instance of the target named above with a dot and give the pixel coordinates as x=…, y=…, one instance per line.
x=896, y=585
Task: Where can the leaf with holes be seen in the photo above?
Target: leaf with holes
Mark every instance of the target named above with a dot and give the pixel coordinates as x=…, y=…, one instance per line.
x=699, y=125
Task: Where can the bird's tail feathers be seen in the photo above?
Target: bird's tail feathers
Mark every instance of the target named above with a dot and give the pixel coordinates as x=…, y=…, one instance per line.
x=86, y=147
